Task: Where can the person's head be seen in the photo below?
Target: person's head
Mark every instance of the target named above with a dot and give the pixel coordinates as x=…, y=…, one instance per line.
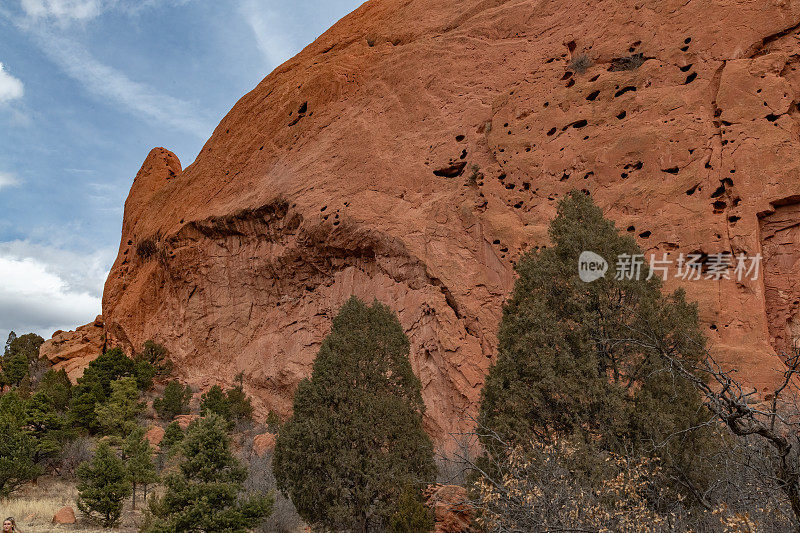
x=9, y=525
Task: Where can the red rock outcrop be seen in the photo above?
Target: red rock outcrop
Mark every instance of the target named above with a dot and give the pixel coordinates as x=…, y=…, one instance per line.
x=154, y=436
x=452, y=511
x=73, y=350
x=349, y=170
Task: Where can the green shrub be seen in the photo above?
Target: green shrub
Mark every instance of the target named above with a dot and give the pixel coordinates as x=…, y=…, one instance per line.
x=411, y=515
x=175, y=401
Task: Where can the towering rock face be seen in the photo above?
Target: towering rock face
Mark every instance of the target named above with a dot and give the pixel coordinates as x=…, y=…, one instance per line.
x=349, y=170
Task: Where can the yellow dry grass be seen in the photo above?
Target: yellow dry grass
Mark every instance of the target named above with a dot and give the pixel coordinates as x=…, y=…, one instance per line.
x=34, y=505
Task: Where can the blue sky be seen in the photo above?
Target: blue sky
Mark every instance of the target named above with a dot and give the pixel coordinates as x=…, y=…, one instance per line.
x=87, y=88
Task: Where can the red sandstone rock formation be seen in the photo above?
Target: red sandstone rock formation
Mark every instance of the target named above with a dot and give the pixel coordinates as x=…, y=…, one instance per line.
x=347, y=171
x=73, y=350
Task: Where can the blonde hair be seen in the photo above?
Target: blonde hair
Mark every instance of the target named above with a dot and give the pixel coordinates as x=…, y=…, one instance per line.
x=13, y=523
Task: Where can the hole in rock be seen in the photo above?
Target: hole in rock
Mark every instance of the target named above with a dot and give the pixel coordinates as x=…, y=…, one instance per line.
x=451, y=171
x=631, y=228
x=645, y=234
x=460, y=138
x=690, y=78
x=622, y=115
x=686, y=68
x=672, y=170
x=691, y=191
x=593, y=96
x=624, y=90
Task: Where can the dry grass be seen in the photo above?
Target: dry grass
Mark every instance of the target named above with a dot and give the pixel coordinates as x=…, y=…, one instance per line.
x=34, y=505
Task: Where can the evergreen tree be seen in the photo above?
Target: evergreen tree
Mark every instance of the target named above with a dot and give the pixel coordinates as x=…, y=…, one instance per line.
x=204, y=495
x=103, y=486
x=214, y=400
x=117, y=416
x=355, y=437
x=582, y=360
x=57, y=386
x=173, y=436
x=46, y=426
x=139, y=462
x=17, y=448
x=239, y=404
x=175, y=401
x=20, y=353
x=94, y=386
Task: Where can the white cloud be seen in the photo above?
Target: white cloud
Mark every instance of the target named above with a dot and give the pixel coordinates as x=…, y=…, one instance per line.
x=107, y=82
x=10, y=87
x=8, y=180
x=65, y=10
x=266, y=25
x=43, y=288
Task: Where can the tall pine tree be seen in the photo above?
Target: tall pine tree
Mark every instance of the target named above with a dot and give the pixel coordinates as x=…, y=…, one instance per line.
x=355, y=438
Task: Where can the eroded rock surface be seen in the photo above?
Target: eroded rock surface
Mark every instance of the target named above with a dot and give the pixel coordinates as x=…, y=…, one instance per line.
x=350, y=170
x=74, y=350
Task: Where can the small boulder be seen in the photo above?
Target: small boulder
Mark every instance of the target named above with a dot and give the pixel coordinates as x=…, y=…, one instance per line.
x=452, y=510
x=263, y=443
x=65, y=516
x=154, y=436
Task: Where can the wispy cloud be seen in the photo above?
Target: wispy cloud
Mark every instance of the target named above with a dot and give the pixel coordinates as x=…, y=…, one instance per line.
x=65, y=10
x=8, y=180
x=110, y=84
x=10, y=87
x=266, y=25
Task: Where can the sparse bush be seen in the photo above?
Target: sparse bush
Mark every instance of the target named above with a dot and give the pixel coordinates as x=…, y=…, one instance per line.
x=474, y=176
x=261, y=480
x=138, y=462
x=273, y=422
x=580, y=63
x=146, y=248
x=154, y=358
x=631, y=62
x=75, y=452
